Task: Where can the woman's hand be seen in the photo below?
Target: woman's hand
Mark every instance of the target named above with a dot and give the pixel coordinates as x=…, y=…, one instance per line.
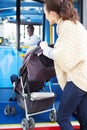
x=47, y=51
x=43, y=45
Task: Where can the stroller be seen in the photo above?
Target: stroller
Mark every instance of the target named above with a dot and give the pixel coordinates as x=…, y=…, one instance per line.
x=35, y=71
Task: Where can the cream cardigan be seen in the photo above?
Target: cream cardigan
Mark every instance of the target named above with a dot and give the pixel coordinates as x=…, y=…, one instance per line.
x=70, y=54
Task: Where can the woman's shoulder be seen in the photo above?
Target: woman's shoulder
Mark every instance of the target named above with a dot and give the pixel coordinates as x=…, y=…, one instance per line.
x=69, y=26
x=69, y=23
x=73, y=25
x=65, y=25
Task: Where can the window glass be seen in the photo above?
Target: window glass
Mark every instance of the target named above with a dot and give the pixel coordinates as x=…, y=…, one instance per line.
x=78, y=6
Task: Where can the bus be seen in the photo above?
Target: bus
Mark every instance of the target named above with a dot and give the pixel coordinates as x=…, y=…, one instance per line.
x=15, y=15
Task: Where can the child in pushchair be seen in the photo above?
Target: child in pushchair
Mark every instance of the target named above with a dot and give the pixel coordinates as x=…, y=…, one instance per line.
x=35, y=71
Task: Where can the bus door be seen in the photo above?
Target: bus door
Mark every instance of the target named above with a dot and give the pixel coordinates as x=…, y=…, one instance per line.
x=12, y=31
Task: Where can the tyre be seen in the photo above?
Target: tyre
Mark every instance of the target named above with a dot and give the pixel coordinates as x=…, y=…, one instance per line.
x=53, y=116
x=7, y=110
x=31, y=123
x=25, y=124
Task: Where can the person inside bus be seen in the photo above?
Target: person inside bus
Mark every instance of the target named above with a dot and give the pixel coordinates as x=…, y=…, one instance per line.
x=70, y=61
x=33, y=40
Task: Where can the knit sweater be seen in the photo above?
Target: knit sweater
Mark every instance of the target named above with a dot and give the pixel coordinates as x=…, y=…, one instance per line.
x=70, y=54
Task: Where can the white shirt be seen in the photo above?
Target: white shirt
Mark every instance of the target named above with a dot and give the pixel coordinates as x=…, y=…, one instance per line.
x=33, y=40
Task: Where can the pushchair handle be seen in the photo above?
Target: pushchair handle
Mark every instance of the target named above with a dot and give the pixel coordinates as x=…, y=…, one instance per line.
x=36, y=49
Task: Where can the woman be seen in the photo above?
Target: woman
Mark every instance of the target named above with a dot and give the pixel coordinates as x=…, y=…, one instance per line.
x=70, y=60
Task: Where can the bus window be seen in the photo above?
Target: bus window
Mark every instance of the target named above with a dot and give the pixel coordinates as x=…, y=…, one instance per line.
x=78, y=4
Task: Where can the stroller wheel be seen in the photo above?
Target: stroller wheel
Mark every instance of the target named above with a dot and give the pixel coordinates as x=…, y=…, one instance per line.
x=13, y=110
x=53, y=116
x=7, y=110
x=31, y=123
x=25, y=124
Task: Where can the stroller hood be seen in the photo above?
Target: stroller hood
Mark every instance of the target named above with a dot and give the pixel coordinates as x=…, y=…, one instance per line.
x=38, y=66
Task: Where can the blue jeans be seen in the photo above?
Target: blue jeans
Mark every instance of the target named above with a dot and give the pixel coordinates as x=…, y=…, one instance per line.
x=73, y=99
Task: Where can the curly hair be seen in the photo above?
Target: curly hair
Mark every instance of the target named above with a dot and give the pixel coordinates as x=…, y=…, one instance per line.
x=64, y=8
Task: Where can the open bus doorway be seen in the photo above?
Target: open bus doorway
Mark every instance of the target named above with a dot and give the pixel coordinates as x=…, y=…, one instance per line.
x=12, y=52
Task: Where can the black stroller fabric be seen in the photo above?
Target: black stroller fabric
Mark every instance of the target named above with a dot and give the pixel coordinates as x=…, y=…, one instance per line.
x=39, y=67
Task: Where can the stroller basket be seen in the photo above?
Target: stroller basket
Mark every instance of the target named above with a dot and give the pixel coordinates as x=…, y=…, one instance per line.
x=39, y=101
